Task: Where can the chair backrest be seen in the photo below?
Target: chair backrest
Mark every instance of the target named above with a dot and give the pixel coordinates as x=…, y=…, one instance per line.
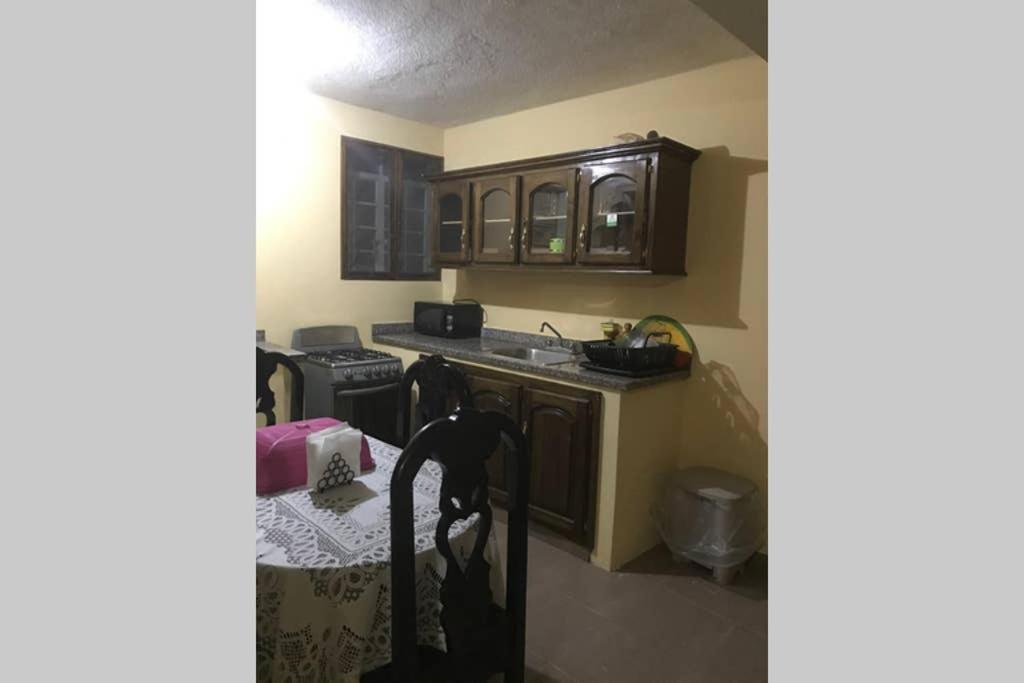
x=438, y=382
x=481, y=638
x=266, y=366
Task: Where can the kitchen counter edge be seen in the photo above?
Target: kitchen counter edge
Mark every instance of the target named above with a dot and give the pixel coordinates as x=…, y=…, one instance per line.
x=402, y=335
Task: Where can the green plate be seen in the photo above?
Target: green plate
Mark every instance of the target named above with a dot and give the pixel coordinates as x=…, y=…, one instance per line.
x=663, y=323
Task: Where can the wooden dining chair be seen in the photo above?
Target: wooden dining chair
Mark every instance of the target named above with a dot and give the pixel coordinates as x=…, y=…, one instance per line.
x=266, y=366
x=481, y=638
x=442, y=387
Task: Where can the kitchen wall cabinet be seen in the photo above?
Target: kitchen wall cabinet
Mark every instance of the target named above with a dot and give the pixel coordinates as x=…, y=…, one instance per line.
x=496, y=220
x=622, y=208
x=453, y=233
x=562, y=425
x=549, y=216
x=614, y=215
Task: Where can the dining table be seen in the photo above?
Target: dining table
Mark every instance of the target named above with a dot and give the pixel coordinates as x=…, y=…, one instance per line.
x=323, y=573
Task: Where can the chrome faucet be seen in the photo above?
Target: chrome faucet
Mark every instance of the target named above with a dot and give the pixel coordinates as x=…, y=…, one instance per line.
x=556, y=332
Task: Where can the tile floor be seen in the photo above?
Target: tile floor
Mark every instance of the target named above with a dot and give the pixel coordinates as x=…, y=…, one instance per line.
x=655, y=620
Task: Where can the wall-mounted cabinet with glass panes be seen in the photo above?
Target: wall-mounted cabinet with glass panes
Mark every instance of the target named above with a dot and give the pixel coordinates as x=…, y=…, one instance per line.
x=453, y=231
x=388, y=214
x=621, y=208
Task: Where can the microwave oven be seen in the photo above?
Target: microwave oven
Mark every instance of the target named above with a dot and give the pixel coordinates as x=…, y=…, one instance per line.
x=451, y=320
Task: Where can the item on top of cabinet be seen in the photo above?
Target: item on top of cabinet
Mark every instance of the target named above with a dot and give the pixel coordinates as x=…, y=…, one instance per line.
x=677, y=335
x=629, y=137
x=652, y=135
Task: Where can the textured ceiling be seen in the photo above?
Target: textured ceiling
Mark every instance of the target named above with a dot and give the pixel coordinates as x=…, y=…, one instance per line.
x=447, y=62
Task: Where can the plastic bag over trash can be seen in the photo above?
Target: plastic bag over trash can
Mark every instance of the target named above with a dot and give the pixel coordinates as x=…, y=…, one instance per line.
x=710, y=517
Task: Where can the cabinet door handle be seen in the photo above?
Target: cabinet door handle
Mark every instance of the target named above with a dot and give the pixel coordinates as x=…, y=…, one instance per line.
x=512, y=238
x=522, y=235
x=582, y=236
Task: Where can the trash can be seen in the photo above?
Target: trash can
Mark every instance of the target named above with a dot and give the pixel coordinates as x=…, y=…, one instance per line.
x=710, y=517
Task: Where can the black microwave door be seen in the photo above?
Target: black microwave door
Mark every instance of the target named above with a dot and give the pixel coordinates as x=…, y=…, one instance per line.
x=430, y=320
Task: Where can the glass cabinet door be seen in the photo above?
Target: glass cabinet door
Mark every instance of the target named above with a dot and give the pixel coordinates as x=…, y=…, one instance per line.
x=496, y=220
x=452, y=246
x=549, y=212
x=614, y=197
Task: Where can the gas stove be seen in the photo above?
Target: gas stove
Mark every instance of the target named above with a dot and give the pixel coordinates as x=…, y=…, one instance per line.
x=335, y=355
x=347, y=357
x=345, y=381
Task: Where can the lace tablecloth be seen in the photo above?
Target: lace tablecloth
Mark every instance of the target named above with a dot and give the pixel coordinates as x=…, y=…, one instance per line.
x=323, y=574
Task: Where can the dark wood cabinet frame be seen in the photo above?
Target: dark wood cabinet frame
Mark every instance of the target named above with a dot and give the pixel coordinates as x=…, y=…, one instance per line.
x=396, y=217
x=660, y=234
x=523, y=399
x=461, y=188
x=567, y=178
x=636, y=171
x=482, y=188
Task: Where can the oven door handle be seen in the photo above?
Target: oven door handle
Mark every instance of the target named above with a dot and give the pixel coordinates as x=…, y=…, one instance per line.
x=351, y=393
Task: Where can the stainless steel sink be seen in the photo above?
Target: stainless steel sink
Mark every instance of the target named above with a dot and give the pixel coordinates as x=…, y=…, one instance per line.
x=538, y=356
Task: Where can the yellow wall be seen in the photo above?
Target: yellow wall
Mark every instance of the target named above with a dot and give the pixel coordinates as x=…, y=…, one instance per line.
x=717, y=417
x=721, y=412
x=298, y=239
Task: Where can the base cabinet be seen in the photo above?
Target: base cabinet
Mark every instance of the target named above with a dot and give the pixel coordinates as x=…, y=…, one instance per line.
x=562, y=425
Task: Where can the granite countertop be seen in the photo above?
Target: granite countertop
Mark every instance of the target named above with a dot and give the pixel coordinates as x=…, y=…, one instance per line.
x=478, y=350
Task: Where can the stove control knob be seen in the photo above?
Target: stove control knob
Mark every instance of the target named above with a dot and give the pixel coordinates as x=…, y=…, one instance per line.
x=348, y=374
x=376, y=372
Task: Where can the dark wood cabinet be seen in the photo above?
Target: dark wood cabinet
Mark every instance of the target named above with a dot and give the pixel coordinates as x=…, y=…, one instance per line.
x=622, y=208
x=496, y=220
x=613, y=219
x=562, y=425
x=453, y=230
x=549, y=216
x=502, y=396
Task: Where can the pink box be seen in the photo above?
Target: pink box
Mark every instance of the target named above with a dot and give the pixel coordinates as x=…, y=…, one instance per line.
x=281, y=454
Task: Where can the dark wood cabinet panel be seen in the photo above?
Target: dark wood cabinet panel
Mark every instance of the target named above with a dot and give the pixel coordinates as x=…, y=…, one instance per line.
x=504, y=397
x=613, y=219
x=496, y=220
x=452, y=207
x=548, y=216
x=559, y=427
x=622, y=208
x=562, y=425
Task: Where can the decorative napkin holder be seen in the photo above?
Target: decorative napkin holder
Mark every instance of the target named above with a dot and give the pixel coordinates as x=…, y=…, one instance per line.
x=333, y=457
